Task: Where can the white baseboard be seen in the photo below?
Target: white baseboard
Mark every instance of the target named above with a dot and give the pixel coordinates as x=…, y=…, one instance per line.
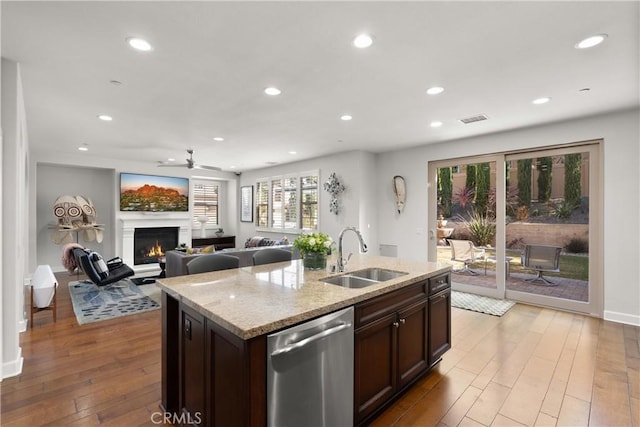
x=14, y=367
x=625, y=318
x=22, y=325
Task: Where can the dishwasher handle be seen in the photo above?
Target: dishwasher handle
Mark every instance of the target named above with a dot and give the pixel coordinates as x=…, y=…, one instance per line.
x=311, y=339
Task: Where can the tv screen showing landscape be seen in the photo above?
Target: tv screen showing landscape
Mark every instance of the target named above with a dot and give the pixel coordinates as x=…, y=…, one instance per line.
x=152, y=193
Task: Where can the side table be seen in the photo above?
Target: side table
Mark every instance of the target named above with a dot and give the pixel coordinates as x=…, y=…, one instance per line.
x=507, y=264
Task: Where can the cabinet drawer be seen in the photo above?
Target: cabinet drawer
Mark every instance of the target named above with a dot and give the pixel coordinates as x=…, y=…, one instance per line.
x=381, y=306
x=438, y=283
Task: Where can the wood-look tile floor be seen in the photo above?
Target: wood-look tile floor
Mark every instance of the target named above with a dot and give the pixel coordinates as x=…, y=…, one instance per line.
x=533, y=366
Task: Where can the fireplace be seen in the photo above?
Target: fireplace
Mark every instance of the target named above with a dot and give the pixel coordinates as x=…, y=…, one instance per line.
x=151, y=243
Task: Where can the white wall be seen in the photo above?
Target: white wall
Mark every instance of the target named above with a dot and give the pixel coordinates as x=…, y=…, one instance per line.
x=620, y=194
x=15, y=209
x=355, y=170
x=53, y=181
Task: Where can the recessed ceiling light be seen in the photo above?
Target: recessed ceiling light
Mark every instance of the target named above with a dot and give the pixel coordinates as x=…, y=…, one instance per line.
x=105, y=118
x=292, y=152
x=435, y=90
x=591, y=41
x=346, y=117
x=139, y=44
x=272, y=91
x=542, y=100
x=232, y=167
x=585, y=89
x=115, y=82
x=363, y=41
x=435, y=124
x=171, y=159
x=83, y=148
x=218, y=138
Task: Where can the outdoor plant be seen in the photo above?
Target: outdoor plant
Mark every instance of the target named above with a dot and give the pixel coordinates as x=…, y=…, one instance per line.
x=483, y=185
x=572, y=178
x=481, y=227
x=445, y=191
x=561, y=210
x=524, y=182
x=577, y=245
x=319, y=243
x=464, y=196
x=522, y=213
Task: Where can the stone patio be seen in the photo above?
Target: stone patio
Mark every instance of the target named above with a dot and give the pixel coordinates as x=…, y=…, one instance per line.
x=563, y=288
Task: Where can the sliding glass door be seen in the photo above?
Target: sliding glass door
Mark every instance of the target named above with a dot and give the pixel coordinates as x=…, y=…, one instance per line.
x=533, y=223
x=552, y=233
x=463, y=227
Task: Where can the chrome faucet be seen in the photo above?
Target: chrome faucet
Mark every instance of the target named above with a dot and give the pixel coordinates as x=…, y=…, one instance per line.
x=363, y=247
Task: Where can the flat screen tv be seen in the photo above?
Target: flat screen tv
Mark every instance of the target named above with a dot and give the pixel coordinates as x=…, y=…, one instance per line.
x=153, y=193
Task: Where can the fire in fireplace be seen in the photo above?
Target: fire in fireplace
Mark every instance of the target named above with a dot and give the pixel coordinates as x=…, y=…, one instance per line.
x=151, y=243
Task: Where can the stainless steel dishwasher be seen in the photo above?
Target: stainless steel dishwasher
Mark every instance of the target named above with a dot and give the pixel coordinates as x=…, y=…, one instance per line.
x=310, y=373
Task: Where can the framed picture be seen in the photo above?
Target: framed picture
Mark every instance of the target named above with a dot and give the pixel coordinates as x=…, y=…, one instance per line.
x=246, y=203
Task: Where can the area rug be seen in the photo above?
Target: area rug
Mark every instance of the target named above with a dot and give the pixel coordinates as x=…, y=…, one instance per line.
x=495, y=307
x=92, y=303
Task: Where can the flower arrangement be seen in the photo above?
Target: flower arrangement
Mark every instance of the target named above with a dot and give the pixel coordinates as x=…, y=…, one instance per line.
x=314, y=243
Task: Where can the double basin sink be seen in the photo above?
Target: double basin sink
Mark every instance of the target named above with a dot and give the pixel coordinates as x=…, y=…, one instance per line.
x=363, y=278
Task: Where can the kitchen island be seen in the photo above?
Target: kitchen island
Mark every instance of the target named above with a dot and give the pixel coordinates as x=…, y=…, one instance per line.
x=215, y=326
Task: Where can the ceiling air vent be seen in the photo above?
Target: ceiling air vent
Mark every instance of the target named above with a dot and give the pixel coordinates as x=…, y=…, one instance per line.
x=473, y=119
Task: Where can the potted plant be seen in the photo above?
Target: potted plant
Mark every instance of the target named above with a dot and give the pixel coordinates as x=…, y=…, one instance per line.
x=314, y=248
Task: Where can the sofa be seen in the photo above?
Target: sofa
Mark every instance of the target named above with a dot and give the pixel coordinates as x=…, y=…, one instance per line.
x=177, y=260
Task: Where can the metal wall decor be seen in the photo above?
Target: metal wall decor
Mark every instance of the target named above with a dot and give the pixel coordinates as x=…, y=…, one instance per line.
x=400, y=191
x=246, y=203
x=334, y=187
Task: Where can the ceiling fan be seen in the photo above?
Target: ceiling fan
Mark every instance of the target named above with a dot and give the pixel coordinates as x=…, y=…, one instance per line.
x=191, y=164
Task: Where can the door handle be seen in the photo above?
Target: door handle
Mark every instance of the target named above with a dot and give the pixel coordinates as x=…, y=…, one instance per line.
x=402, y=321
x=311, y=339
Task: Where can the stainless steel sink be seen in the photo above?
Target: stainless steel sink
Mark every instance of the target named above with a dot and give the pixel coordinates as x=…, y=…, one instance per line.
x=364, y=278
x=349, y=281
x=378, y=274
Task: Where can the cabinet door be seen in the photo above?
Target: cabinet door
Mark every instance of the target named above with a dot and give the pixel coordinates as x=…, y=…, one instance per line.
x=439, y=325
x=192, y=369
x=375, y=365
x=413, y=351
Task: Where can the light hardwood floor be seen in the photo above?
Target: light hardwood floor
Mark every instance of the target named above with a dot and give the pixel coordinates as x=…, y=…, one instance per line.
x=533, y=366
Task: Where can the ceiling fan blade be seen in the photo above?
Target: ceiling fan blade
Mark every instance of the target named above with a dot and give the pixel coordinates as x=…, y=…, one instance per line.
x=211, y=168
x=181, y=165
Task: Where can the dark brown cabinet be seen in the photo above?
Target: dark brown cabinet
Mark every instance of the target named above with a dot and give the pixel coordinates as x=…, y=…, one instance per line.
x=439, y=317
x=391, y=347
x=375, y=365
x=413, y=352
x=192, y=366
x=211, y=377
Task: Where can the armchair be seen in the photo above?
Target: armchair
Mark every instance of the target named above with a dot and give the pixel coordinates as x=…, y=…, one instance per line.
x=113, y=270
x=466, y=252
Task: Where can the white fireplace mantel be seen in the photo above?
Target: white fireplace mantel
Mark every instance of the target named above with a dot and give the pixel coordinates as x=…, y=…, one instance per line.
x=128, y=226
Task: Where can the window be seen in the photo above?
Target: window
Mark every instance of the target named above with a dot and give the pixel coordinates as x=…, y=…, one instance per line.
x=309, y=201
x=262, y=204
x=287, y=203
x=205, y=202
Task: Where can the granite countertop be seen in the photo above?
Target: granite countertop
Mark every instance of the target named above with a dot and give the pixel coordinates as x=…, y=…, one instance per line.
x=257, y=300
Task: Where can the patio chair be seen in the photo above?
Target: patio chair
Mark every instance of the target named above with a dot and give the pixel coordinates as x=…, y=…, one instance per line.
x=542, y=259
x=466, y=252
